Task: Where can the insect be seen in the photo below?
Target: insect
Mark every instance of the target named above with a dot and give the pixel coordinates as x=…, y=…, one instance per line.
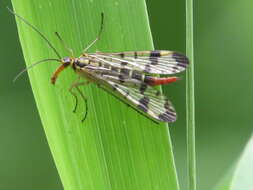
x=130, y=76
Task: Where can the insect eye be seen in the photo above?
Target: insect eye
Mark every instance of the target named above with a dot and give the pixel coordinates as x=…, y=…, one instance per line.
x=66, y=60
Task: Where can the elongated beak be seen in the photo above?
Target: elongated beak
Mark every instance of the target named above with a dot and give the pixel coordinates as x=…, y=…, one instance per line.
x=58, y=71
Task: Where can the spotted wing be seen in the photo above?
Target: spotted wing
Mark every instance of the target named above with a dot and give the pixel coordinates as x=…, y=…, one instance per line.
x=153, y=62
x=147, y=100
x=140, y=96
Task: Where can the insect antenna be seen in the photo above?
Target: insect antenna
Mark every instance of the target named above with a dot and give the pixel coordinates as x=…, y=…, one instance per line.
x=32, y=65
x=99, y=33
x=101, y=25
x=35, y=29
x=64, y=44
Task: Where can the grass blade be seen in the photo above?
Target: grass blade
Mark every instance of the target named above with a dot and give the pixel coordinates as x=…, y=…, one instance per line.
x=190, y=102
x=115, y=148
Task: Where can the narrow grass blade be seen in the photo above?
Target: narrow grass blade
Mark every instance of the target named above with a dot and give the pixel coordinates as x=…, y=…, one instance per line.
x=190, y=102
x=115, y=148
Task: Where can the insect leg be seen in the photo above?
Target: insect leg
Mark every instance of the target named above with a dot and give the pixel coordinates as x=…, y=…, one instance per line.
x=75, y=85
x=85, y=100
x=99, y=33
x=76, y=100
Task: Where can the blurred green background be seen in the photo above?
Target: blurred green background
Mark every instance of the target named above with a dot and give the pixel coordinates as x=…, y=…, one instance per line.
x=223, y=75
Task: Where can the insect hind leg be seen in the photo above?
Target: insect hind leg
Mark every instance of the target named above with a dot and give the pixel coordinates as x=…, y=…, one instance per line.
x=76, y=86
x=86, y=103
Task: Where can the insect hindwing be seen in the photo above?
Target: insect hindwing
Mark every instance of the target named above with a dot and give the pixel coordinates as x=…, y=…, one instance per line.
x=150, y=101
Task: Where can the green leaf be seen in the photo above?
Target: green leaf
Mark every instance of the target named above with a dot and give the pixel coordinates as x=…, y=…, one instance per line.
x=243, y=173
x=240, y=176
x=115, y=148
x=225, y=182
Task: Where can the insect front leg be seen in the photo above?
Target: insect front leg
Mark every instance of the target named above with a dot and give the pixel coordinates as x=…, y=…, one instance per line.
x=75, y=85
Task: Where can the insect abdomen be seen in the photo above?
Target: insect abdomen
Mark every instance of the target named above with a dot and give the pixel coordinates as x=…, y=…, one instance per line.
x=153, y=81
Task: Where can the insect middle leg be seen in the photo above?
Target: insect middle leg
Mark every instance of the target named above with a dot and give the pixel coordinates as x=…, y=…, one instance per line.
x=76, y=85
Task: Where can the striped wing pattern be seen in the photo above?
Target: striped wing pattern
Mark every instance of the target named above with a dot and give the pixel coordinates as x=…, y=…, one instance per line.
x=139, y=95
x=126, y=74
x=153, y=62
x=150, y=102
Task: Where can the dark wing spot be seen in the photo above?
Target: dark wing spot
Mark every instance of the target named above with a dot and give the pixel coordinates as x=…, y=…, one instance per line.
x=167, y=117
x=135, y=55
x=107, y=66
x=147, y=68
x=136, y=75
x=182, y=65
x=114, y=69
x=115, y=87
x=180, y=58
x=143, y=88
x=155, y=53
x=154, y=57
x=154, y=60
x=175, y=68
x=122, y=78
x=143, y=104
x=124, y=71
x=122, y=55
x=167, y=105
x=123, y=63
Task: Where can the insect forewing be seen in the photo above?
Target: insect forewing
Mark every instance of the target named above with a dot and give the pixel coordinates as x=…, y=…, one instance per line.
x=153, y=62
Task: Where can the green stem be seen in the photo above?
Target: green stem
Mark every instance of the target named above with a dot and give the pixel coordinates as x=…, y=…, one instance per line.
x=190, y=102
